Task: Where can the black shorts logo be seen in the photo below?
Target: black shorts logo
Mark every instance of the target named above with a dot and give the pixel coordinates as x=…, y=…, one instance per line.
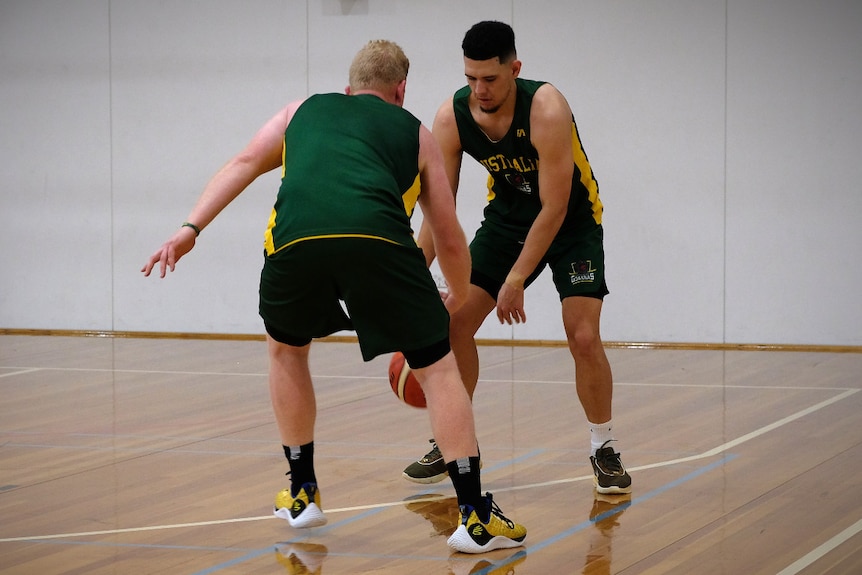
x=582, y=272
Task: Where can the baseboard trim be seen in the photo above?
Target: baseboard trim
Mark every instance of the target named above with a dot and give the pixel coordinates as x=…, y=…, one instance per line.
x=484, y=342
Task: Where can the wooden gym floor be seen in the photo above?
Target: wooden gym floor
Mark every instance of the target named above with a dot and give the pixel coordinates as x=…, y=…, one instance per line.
x=139, y=456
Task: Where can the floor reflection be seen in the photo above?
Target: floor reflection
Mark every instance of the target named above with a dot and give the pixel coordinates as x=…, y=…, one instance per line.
x=440, y=511
x=605, y=517
x=301, y=558
x=502, y=562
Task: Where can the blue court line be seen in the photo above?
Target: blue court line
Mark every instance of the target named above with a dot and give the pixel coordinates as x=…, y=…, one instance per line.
x=520, y=458
x=259, y=552
x=237, y=561
x=517, y=556
x=330, y=527
x=609, y=513
x=521, y=553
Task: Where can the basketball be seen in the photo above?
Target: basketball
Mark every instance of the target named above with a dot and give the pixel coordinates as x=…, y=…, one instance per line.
x=404, y=383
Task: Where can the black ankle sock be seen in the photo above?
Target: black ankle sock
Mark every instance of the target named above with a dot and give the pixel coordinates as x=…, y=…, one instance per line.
x=301, y=461
x=464, y=474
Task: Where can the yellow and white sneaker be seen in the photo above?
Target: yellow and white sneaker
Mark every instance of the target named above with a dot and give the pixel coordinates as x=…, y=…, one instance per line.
x=303, y=510
x=475, y=535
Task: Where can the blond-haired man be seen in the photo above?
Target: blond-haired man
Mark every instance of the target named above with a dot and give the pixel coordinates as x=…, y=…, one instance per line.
x=353, y=167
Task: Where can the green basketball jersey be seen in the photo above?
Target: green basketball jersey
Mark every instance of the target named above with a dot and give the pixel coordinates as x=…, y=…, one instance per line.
x=513, y=167
x=350, y=169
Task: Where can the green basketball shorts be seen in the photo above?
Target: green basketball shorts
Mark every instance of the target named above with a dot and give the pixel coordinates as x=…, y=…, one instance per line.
x=381, y=290
x=577, y=260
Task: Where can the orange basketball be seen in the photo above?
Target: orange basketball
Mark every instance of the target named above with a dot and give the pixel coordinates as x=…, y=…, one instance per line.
x=404, y=383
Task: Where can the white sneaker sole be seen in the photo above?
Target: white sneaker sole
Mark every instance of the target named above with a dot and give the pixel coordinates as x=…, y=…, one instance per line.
x=612, y=490
x=462, y=542
x=425, y=480
x=312, y=516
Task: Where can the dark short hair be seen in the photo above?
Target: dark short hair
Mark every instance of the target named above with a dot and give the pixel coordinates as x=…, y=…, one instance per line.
x=489, y=39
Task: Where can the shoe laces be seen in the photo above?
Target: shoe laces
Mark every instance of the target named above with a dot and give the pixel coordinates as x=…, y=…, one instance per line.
x=609, y=459
x=493, y=508
x=432, y=455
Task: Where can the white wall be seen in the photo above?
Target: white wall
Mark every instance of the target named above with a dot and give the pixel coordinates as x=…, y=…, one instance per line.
x=793, y=235
x=724, y=135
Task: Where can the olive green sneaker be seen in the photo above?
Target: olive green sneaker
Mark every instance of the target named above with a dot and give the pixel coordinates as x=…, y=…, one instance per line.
x=430, y=469
x=609, y=473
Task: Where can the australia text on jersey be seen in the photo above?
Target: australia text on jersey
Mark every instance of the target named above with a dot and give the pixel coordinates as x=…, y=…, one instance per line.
x=499, y=162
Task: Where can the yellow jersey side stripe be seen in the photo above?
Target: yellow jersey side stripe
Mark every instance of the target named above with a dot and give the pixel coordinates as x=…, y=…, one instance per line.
x=330, y=236
x=411, y=196
x=587, y=178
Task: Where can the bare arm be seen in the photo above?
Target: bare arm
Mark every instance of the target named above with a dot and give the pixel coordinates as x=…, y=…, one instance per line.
x=438, y=208
x=551, y=127
x=446, y=133
x=262, y=154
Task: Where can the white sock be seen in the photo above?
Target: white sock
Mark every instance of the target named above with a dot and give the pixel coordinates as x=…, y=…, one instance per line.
x=600, y=433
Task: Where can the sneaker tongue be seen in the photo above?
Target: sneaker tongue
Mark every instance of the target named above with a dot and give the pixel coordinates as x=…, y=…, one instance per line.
x=611, y=459
x=484, y=510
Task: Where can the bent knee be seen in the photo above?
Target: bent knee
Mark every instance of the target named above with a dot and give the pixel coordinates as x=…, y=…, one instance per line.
x=584, y=341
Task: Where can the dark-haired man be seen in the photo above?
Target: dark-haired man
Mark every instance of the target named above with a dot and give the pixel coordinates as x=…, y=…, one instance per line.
x=544, y=210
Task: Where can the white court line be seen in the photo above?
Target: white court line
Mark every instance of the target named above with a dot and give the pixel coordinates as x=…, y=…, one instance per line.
x=821, y=551
x=709, y=453
x=204, y=523
x=21, y=370
x=136, y=529
x=758, y=432
x=383, y=376
x=715, y=450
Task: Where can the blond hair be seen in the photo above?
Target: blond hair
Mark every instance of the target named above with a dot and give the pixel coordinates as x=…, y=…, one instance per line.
x=380, y=64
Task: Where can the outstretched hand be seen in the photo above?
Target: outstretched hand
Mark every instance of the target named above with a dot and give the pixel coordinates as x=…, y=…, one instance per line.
x=171, y=251
x=510, y=304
